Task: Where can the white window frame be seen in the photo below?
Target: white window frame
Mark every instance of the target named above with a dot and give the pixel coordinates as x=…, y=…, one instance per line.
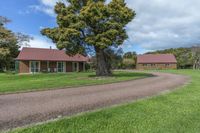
x=30, y=66
x=75, y=69
x=63, y=66
x=167, y=64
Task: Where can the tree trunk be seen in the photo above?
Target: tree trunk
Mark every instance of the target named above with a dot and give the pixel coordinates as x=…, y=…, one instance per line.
x=198, y=64
x=103, y=68
x=194, y=65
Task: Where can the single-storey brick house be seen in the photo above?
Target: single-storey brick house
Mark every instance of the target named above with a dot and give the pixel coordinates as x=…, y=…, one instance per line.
x=31, y=60
x=156, y=61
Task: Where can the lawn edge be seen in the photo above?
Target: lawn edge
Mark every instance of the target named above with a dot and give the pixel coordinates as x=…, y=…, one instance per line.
x=149, y=75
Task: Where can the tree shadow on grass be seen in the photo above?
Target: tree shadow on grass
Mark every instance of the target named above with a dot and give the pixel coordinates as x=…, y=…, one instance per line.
x=128, y=74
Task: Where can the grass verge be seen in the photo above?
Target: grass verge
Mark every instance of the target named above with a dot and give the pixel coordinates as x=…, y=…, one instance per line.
x=10, y=83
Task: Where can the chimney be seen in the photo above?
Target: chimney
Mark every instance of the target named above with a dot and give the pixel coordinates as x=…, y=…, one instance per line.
x=50, y=47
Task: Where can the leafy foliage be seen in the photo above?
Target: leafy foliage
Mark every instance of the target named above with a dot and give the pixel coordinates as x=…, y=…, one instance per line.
x=118, y=59
x=8, y=47
x=129, y=60
x=3, y=20
x=90, y=24
x=9, y=44
x=130, y=55
x=196, y=57
x=128, y=63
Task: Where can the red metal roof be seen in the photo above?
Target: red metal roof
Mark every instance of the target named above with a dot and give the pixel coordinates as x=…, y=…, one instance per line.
x=156, y=58
x=41, y=54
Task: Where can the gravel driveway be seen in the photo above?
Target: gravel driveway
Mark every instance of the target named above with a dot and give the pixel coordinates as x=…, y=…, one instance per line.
x=27, y=108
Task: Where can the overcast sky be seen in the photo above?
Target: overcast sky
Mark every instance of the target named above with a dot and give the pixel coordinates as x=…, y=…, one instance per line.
x=159, y=24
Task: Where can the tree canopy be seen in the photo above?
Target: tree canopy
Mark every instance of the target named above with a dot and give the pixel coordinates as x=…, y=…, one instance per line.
x=10, y=43
x=129, y=60
x=8, y=47
x=196, y=57
x=91, y=24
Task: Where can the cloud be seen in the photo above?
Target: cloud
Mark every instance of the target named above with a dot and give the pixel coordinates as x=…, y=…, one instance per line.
x=47, y=10
x=23, y=12
x=46, y=6
x=161, y=24
x=41, y=42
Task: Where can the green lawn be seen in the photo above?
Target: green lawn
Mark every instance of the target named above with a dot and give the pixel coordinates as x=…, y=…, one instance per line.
x=10, y=83
x=175, y=112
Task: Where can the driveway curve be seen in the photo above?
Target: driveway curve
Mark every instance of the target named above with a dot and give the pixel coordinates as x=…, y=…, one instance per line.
x=27, y=108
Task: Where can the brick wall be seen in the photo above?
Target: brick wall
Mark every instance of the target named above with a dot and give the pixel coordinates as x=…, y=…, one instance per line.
x=80, y=66
x=52, y=66
x=69, y=67
x=156, y=66
x=43, y=66
x=23, y=66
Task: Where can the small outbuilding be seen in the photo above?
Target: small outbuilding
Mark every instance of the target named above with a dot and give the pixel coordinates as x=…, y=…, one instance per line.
x=156, y=61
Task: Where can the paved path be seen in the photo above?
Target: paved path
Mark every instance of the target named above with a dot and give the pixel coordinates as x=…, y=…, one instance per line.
x=26, y=108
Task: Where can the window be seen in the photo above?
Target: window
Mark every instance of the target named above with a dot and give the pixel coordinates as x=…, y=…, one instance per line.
x=34, y=66
x=75, y=66
x=60, y=66
x=167, y=65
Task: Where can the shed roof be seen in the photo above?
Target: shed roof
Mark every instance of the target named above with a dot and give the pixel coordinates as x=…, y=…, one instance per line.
x=42, y=54
x=156, y=58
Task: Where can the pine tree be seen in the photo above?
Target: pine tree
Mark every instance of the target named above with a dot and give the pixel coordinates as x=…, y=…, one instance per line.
x=93, y=24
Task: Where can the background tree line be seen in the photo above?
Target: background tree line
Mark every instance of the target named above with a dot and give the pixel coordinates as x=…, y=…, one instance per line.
x=10, y=43
x=117, y=59
x=187, y=58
